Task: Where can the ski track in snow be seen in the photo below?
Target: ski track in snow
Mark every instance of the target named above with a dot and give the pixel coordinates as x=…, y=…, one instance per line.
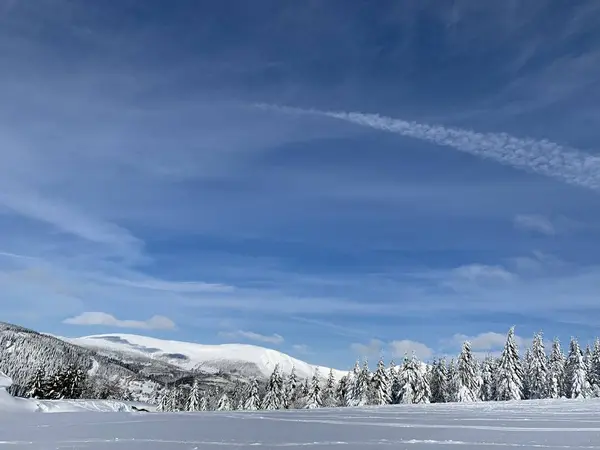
x=546, y=424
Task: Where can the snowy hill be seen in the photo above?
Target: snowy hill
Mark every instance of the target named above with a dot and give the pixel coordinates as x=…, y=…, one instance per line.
x=245, y=360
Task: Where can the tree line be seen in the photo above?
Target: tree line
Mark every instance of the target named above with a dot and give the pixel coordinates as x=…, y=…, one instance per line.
x=510, y=376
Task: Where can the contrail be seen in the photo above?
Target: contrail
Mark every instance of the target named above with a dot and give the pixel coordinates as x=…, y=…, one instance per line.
x=547, y=158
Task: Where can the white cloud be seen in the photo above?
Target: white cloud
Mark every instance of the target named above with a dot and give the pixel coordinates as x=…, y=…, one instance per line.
x=535, y=222
x=484, y=342
x=570, y=165
x=108, y=320
x=482, y=272
x=301, y=348
x=252, y=336
x=400, y=348
x=375, y=348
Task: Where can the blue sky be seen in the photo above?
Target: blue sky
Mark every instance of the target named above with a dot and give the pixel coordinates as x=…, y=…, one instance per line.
x=331, y=179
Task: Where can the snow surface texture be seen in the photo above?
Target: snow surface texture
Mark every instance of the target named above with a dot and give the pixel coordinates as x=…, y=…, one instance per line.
x=536, y=424
x=10, y=404
x=208, y=358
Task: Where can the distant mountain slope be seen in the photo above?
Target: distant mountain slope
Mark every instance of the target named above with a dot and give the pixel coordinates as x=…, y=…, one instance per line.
x=23, y=350
x=244, y=360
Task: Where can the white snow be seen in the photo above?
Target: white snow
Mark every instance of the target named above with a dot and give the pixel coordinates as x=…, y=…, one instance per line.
x=10, y=404
x=207, y=357
x=528, y=425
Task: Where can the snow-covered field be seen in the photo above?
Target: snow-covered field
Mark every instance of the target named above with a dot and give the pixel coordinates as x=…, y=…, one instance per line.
x=527, y=425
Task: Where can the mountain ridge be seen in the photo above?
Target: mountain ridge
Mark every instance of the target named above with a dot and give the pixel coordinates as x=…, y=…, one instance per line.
x=246, y=359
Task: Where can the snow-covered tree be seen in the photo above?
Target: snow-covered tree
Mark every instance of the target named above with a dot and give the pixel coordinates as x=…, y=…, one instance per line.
x=452, y=389
x=526, y=366
x=291, y=389
x=37, y=387
x=439, y=381
x=468, y=379
x=488, y=371
x=343, y=392
x=252, y=402
x=413, y=385
x=329, y=395
x=224, y=403
x=274, y=396
x=164, y=403
x=509, y=380
x=381, y=385
x=594, y=370
x=537, y=371
x=576, y=382
x=556, y=372
x=193, y=403
x=360, y=388
x=314, y=399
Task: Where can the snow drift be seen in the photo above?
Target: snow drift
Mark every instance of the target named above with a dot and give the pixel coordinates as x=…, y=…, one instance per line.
x=10, y=404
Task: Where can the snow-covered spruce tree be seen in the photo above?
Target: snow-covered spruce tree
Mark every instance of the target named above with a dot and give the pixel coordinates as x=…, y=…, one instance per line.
x=439, y=381
x=343, y=392
x=556, y=372
x=291, y=389
x=224, y=404
x=382, y=388
x=360, y=388
x=193, y=403
x=329, y=392
x=174, y=399
x=594, y=373
x=413, y=385
x=422, y=388
x=314, y=399
x=452, y=389
x=488, y=372
x=164, y=403
x=538, y=369
x=576, y=383
x=526, y=366
x=468, y=379
x=57, y=385
x=274, y=396
x=252, y=402
x=37, y=387
x=509, y=380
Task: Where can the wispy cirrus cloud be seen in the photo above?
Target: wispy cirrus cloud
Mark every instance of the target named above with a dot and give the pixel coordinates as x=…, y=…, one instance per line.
x=543, y=157
x=96, y=318
x=535, y=222
x=252, y=336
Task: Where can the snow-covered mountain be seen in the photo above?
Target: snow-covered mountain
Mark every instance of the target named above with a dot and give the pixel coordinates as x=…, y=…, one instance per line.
x=244, y=360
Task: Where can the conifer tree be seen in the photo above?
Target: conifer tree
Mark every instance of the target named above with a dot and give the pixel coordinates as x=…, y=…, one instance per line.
x=576, y=383
x=292, y=387
x=594, y=373
x=526, y=366
x=360, y=389
x=488, y=370
x=329, y=396
x=224, y=403
x=413, y=385
x=509, y=380
x=195, y=396
x=439, y=381
x=37, y=385
x=381, y=385
x=274, y=396
x=164, y=401
x=252, y=402
x=314, y=399
x=556, y=372
x=452, y=392
x=538, y=369
x=343, y=392
x=468, y=380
